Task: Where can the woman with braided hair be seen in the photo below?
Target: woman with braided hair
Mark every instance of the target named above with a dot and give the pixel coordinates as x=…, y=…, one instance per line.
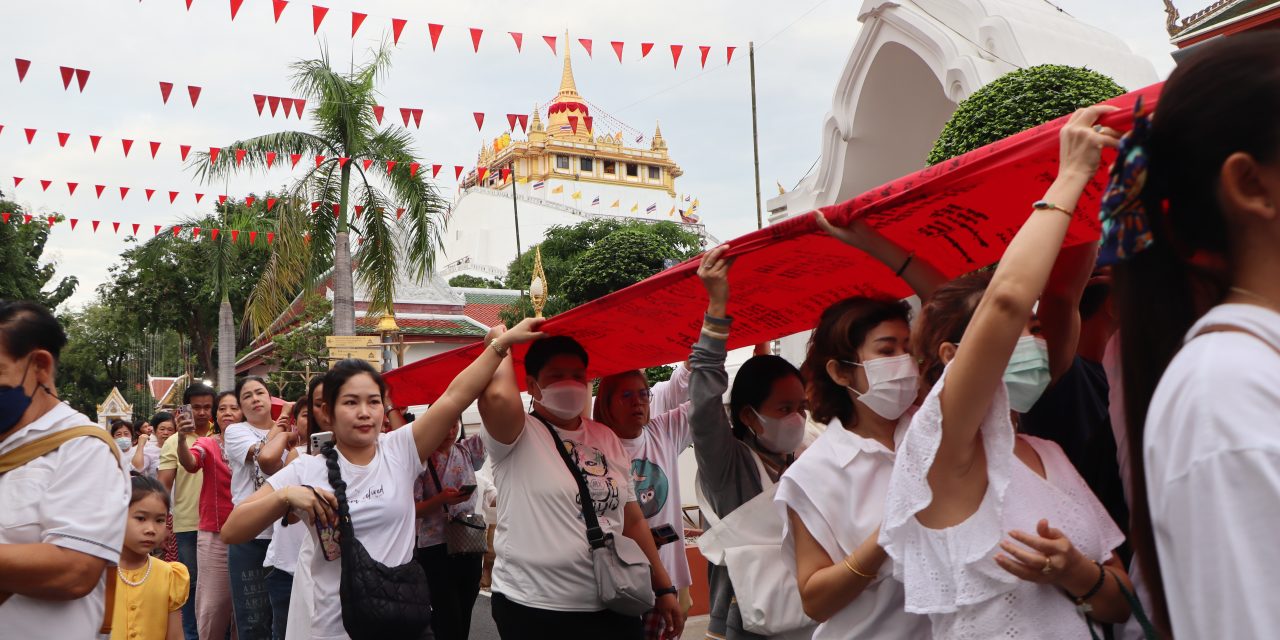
x=373, y=471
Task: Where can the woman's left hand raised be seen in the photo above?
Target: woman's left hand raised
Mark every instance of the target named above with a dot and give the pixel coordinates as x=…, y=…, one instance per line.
x=1045, y=558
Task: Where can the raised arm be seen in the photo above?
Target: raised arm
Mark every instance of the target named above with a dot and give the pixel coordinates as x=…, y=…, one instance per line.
x=672, y=392
x=186, y=457
x=139, y=459
x=979, y=364
x=921, y=276
x=431, y=428
x=272, y=454
x=501, y=412
x=1059, y=310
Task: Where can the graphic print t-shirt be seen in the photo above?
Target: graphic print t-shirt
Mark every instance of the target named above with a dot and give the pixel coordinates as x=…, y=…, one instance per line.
x=543, y=559
x=655, y=470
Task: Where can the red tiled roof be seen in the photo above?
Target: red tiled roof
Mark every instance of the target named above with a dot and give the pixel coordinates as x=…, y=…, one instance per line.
x=161, y=386
x=485, y=314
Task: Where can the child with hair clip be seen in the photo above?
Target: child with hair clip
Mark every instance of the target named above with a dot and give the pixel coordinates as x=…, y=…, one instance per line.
x=149, y=591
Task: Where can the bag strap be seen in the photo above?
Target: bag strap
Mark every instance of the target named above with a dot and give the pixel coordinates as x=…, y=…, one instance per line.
x=110, y=600
x=1135, y=608
x=19, y=456
x=595, y=535
x=431, y=466
x=1231, y=328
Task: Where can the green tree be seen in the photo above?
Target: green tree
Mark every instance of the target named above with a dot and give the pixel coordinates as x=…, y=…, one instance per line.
x=1017, y=101
x=475, y=282
x=22, y=277
x=301, y=349
x=400, y=213
x=104, y=342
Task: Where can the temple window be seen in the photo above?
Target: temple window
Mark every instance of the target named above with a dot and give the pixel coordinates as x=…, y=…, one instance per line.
x=586, y=164
x=633, y=170
x=562, y=162
x=610, y=168
x=655, y=173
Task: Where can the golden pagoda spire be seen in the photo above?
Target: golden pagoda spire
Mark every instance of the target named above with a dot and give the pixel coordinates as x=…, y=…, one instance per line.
x=536, y=125
x=658, y=143
x=567, y=86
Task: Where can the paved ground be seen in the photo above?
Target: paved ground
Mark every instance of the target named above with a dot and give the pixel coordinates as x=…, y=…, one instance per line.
x=482, y=627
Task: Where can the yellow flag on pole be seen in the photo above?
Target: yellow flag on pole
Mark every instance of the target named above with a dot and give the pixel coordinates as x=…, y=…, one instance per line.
x=635, y=207
x=616, y=204
x=559, y=189
x=577, y=195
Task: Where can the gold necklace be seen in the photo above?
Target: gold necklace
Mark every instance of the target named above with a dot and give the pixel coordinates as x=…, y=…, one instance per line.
x=146, y=575
x=1245, y=292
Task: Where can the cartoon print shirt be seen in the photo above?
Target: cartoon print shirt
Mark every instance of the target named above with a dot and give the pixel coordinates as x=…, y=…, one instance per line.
x=655, y=470
x=543, y=559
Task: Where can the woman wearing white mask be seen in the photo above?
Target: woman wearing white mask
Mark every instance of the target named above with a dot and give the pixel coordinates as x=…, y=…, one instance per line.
x=995, y=535
x=861, y=382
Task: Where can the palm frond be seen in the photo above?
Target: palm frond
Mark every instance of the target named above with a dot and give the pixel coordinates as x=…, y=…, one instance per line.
x=376, y=255
x=256, y=149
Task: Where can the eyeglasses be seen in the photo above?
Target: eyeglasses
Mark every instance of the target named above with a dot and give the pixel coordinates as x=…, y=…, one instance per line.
x=641, y=394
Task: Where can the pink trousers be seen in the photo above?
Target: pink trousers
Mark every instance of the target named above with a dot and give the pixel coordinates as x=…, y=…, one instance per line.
x=213, y=590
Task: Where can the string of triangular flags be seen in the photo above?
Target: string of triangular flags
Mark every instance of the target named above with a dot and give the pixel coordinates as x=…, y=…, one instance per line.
x=435, y=30
x=688, y=215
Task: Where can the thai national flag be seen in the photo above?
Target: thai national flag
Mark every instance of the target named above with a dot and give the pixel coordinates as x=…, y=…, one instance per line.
x=596, y=202
x=538, y=185
x=651, y=208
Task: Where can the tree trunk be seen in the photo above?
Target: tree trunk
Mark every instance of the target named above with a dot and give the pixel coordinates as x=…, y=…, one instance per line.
x=344, y=303
x=226, y=347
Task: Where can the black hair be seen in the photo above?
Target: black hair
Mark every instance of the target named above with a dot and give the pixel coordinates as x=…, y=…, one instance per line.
x=753, y=384
x=246, y=380
x=1095, y=296
x=217, y=400
x=542, y=351
x=343, y=371
x=1222, y=99
x=311, y=393
x=297, y=409
x=841, y=330
x=161, y=416
x=26, y=326
x=197, y=390
x=143, y=486
x=116, y=423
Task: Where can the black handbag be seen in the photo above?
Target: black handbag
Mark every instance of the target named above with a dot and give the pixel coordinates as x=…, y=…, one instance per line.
x=378, y=601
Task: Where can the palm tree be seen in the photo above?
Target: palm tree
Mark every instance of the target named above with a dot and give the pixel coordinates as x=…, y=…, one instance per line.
x=399, y=210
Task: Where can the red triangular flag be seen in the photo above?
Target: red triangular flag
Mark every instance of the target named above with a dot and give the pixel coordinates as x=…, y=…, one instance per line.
x=71, y=188
x=222, y=199
x=457, y=172
x=31, y=134
x=271, y=236
x=62, y=138
x=359, y=210
x=195, y=233
x=645, y=48
x=253, y=235
x=391, y=164
x=524, y=122
x=586, y=44
x=314, y=206
x=52, y=220
x=319, y=160
x=155, y=148
x=519, y=38
x=306, y=237
x=82, y=78
x=413, y=169
x=586, y=120
x=288, y=106
x=194, y=92
x=17, y=181
x=95, y=225
x=551, y=42
x=505, y=173
x=239, y=156
x=127, y=144
x=366, y=163
x=199, y=197
x=44, y=184
x=156, y=231
x=475, y=38
x=435, y=170
x=480, y=173
x=93, y=141
x=235, y=235
x=22, y=65
x=511, y=121
x=405, y=114
x=377, y=112
x=274, y=103
x=235, y=8
x=67, y=74
x=259, y=101
x=249, y=200
x=435, y=30
x=149, y=193
x=271, y=203
x=417, y=118
x=360, y=240
x=184, y=149
x=278, y=6
x=165, y=89
x=397, y=26
x=26, y=218
x=479, y=119
x=317, y=16
x=173, y=196
x=73, y=223
x=675, y=54
x=704, y=51
x=342, y=161
x=176, y=230
x=98, y=189
x=213, y=154
x=617, y=48
x=115, y=227
x=399, y=212
x=298, y=105
x=295, y=157
x=6, y=217
x=135, y=228
x=213, y=234
x=728, y=54
x=271, y=158
x=573, y=123
x=357, y=19
x=336, y=209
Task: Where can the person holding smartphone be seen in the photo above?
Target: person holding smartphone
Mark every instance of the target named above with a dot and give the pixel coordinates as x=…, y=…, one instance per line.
x=446, y=489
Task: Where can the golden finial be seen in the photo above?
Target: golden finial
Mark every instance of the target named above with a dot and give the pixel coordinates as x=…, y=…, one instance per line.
x=567, y=85
x=538, y=286
x=780, y=189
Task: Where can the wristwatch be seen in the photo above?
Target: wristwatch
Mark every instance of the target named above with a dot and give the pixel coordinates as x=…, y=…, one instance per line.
x=658, y=593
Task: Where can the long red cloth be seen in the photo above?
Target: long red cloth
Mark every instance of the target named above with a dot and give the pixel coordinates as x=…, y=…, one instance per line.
x=958, y=215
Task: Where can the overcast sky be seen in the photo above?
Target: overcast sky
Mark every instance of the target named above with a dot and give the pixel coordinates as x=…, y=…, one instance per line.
x=129, y=47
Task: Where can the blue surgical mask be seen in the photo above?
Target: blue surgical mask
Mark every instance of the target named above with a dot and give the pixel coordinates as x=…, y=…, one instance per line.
x=14, y=402
x=1027, y=375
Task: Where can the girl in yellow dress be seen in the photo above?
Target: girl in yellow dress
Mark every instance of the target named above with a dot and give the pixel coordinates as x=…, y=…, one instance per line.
x=149, y=591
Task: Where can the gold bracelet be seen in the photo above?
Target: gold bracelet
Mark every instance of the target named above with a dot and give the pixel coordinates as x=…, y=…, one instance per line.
x=501, y=351
x=852, y=568
x=1045, y=205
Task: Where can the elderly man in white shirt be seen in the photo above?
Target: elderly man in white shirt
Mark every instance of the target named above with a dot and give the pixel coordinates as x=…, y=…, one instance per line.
x=62, y=514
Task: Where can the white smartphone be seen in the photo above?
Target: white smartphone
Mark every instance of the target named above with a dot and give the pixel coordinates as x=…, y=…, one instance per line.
x=318, y=440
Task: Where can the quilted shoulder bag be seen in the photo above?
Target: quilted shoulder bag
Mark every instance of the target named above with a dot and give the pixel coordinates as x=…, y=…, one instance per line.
x=464, y=534
x=378, y=601
x=623, y=576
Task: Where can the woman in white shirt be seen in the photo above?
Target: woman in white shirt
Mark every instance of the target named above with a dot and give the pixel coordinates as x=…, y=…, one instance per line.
x=378, y=471
x=146, y=455
x=994, y=535
x=1203, y=283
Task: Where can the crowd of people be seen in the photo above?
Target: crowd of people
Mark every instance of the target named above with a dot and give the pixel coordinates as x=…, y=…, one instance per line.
x=1077, y=443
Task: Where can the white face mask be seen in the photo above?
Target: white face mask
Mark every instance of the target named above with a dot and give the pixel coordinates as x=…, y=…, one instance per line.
x=124, y=443
x=1027, y=375
x=781, y=435
x=565, y=399
x=892, y=385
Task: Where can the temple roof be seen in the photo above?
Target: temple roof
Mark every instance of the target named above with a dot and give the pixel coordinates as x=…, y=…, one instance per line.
x=1213, y=16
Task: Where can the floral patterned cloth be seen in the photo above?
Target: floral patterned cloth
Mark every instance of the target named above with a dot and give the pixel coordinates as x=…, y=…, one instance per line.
x=456, y=467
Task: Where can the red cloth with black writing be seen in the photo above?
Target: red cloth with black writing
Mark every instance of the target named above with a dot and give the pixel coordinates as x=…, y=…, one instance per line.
x=959, y=215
